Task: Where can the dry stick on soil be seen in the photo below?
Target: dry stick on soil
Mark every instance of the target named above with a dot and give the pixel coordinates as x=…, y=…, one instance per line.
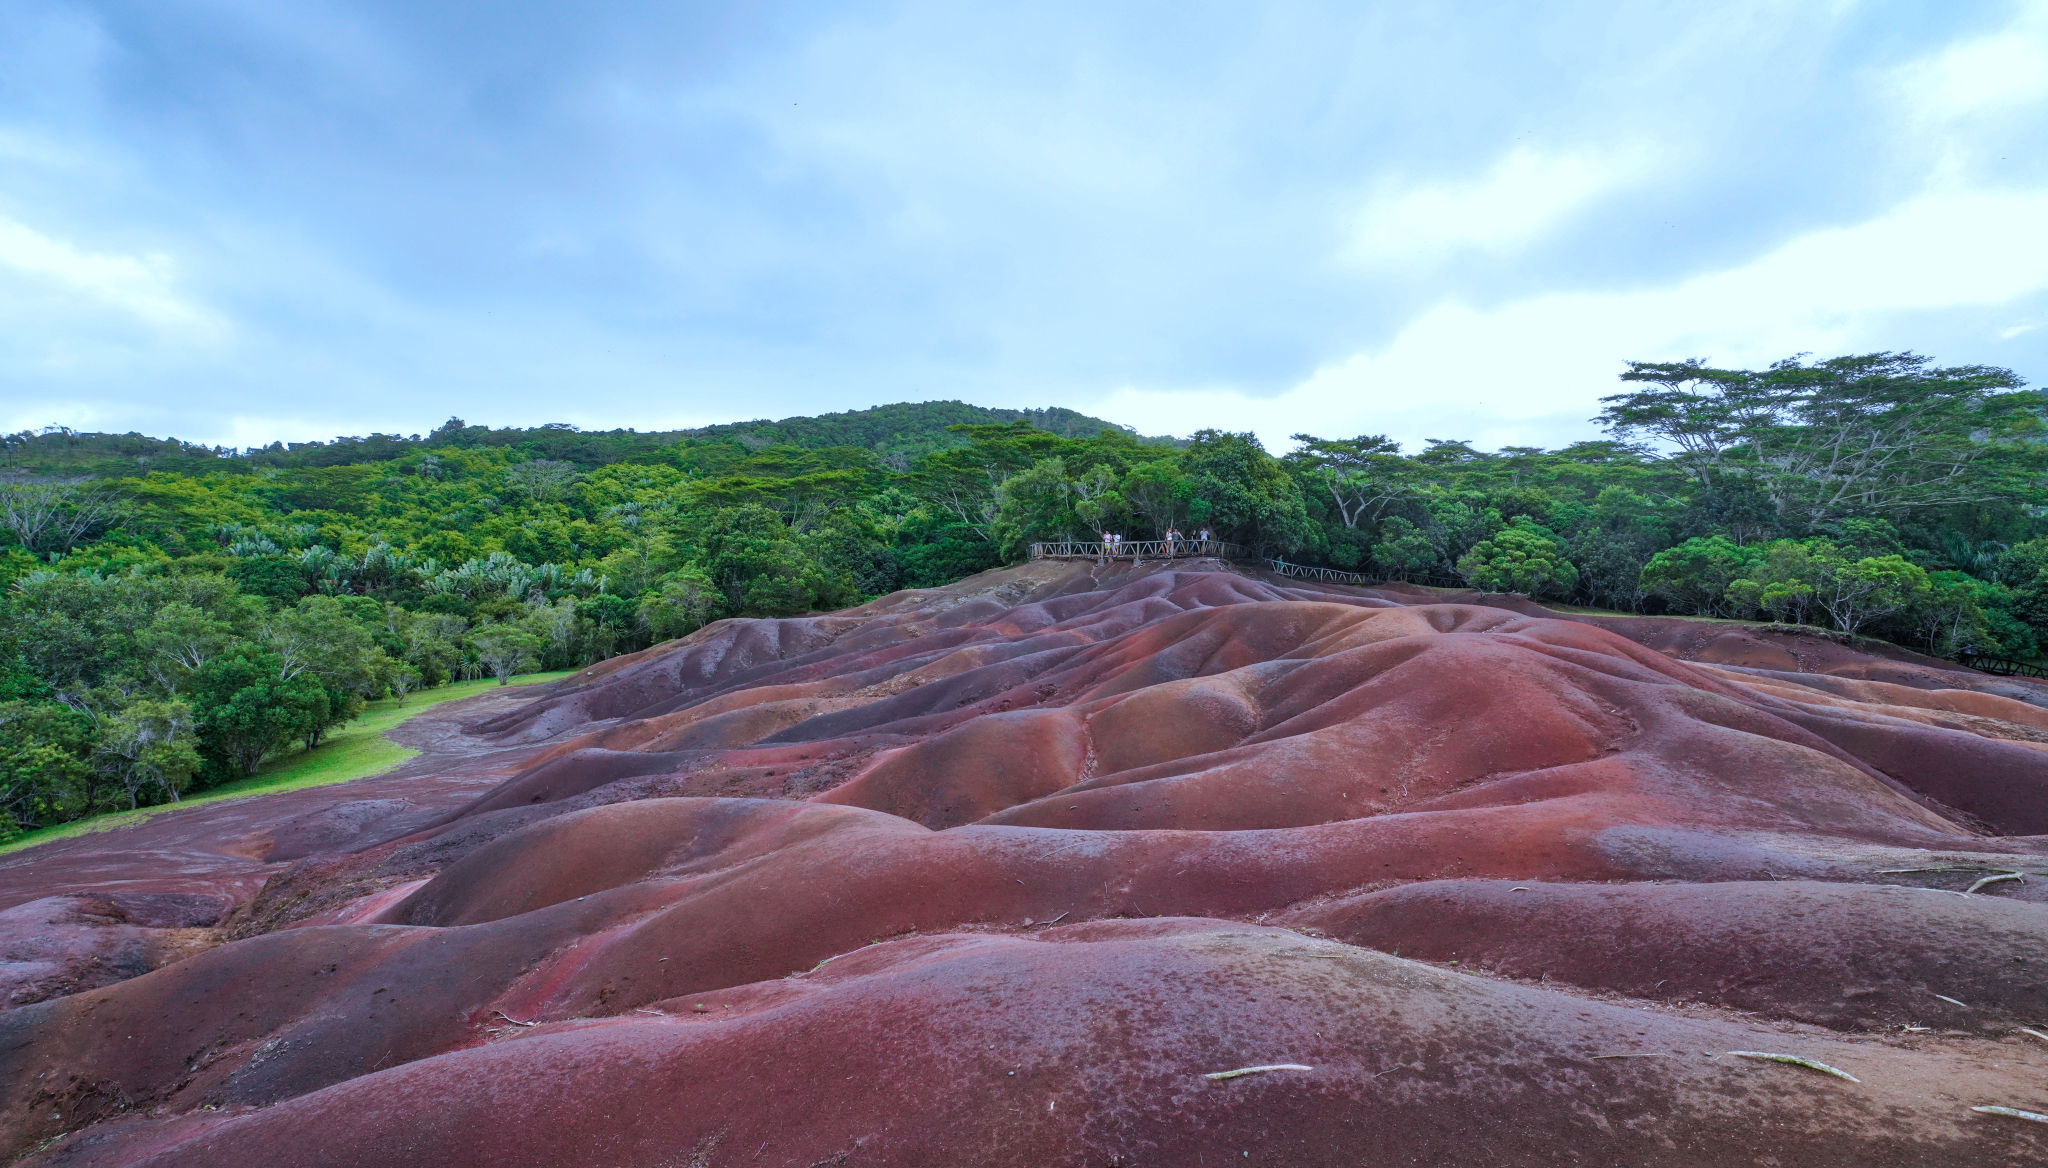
x=1952, y=1001
x=1219, y=1076
x=1998, y=879
x=837, y=956
x=512, y=1020
x=2015, y=1112
x=2035, y=1033
x=1795, y=1061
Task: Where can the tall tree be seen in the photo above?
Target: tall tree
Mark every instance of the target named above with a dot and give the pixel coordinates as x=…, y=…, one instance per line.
x=1244, y=492
x=1360, y=475
x=56, y=517
x=1872, y=434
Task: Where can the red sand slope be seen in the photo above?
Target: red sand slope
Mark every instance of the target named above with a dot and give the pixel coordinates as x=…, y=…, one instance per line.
x=996, y=873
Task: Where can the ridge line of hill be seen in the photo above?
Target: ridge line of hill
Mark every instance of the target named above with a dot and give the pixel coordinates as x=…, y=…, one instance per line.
x=897, y=432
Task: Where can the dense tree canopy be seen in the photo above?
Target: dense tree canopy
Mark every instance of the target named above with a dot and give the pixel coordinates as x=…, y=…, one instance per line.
x=174, y=615
x=1879, y=434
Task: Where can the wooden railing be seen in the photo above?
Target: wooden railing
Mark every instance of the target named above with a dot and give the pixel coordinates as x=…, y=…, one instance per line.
x=1306, y=572
x=1136, y=549
x=2007, y=666
x=1339, y=576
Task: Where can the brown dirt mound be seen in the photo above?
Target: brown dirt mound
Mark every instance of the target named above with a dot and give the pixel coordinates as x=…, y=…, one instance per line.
x=1091, y=815
x=1093, y=1045
x=1846, y=956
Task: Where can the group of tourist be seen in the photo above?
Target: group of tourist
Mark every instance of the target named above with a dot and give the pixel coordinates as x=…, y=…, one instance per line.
x=1113, y=542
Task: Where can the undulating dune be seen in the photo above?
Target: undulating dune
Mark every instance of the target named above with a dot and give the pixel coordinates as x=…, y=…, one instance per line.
x=1004, y=873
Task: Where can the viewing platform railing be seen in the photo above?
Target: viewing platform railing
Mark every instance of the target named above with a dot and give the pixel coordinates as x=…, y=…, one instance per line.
x=1339, y=576
x=1333, y=575
x=1137, y=549
x=2006, y=666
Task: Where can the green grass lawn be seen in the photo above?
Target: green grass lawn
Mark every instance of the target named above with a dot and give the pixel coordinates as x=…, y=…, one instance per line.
x=356, y=751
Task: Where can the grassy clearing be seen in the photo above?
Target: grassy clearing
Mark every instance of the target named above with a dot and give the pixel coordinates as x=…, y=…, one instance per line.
x=356, y=751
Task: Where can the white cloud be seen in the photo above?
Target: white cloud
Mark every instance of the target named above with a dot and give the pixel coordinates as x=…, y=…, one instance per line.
x=1522, y=195
x=143, y=286
x=1533, y=370
x=1991, y=74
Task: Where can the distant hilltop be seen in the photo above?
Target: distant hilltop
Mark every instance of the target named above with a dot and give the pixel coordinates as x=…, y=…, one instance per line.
x=897, y=433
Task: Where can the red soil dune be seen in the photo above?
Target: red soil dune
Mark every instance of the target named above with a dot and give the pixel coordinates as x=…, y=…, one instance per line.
x=998, y=873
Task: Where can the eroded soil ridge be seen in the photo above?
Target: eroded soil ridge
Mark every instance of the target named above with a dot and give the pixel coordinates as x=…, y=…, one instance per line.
x=1002, y=873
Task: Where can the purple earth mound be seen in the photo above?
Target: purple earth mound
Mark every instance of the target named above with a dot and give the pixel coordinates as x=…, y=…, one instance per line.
x=1071, y=864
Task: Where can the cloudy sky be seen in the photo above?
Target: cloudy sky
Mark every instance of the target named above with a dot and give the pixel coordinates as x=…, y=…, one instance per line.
x=241, y=220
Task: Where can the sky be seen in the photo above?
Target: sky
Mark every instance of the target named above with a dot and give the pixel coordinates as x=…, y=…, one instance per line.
x=239, y=221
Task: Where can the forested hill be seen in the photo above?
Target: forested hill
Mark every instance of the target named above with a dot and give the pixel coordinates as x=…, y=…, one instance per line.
x=186, y=613
x=896, y=433
x=899, y=433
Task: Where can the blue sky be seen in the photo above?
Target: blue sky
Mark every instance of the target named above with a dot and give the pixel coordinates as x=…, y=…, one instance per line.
x=239, y=220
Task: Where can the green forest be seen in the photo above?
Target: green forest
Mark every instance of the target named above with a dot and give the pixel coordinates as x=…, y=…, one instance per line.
x=174, y=614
